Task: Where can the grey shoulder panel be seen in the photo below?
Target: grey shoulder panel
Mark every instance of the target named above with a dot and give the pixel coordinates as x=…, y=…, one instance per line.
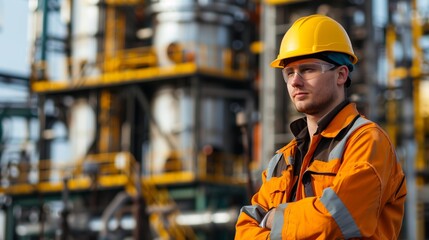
x=272, y=165
x=338, y=150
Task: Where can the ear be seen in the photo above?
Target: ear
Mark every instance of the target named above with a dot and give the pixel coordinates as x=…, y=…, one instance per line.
x=343, y=73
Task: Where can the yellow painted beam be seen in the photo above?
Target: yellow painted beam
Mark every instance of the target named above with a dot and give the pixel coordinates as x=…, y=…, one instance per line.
x=128, y=76
x=115, y=78
x=170, y=178
x=279, y=2
x=50, y=186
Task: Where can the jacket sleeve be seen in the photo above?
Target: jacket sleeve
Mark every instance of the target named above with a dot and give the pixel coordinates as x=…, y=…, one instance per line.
x=368, y=189
x=249, y=220
x=272, y=192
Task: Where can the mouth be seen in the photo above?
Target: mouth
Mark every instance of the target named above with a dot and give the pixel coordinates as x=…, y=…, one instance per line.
x=299, y=94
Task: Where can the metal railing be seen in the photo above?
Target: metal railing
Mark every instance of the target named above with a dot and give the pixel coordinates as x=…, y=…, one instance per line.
x=106, y=170
x=138, y=64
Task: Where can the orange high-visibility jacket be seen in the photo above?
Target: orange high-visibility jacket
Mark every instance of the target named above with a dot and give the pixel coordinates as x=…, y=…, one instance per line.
x=357, y=192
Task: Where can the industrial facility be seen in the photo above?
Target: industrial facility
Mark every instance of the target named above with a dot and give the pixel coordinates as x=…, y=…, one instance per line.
x=153, y=119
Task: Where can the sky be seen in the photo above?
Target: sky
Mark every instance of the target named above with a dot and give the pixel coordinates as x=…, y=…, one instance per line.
x=14, y=39
x=14, y=47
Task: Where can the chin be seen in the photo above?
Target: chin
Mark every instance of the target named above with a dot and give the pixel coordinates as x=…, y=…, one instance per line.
x=301, y=108
x=308, y=111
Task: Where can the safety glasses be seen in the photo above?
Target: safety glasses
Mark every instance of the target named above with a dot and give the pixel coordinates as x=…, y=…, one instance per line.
x=306, y=71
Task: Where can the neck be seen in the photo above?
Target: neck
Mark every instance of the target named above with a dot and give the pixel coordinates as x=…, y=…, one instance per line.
x=312, y=120
x=312, y=124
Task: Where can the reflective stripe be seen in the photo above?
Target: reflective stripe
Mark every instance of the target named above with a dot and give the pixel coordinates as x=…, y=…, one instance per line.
x=338, y=150
x=340, y=213
x=278, y=221
x=272, y=165
x=291, y=160
x=255, y=211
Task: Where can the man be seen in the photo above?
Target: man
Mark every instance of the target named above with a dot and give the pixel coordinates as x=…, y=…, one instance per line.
x=339, y=178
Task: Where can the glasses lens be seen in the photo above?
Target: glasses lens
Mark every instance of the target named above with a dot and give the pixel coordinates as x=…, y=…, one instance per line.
x=306, y=71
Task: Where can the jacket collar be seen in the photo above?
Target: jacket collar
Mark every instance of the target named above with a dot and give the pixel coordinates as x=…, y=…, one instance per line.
x=341, y=120
x=331, y=124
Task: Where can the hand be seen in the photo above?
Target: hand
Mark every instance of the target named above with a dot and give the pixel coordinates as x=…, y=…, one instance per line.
x=270, y=218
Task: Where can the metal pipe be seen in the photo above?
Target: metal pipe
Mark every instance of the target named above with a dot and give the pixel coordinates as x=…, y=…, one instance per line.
x=44, y=34
x=117, y=202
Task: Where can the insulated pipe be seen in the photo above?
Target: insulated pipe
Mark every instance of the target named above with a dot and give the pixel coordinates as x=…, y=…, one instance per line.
x=208, y=219
x=205, y=219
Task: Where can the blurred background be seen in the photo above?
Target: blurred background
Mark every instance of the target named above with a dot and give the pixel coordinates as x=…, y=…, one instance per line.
x=153, y=119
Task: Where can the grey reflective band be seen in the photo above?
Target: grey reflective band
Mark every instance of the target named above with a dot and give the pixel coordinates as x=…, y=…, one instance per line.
x=338, y=150
x=272, y=165
x=340, y=213
x=291, y=160
x=255, y=211
x=278, y=221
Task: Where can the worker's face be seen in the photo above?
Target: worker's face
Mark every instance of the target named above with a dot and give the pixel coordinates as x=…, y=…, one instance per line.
x=315, y=86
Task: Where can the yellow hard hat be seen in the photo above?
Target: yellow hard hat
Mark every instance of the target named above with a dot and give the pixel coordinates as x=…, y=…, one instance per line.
x=314, y=34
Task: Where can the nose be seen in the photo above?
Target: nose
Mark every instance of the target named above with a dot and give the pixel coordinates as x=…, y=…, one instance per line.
x=295, y=80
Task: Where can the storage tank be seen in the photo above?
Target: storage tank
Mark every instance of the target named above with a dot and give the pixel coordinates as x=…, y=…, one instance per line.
x=172, y=133
x=170, y=146
x=200, y=31
x=85, y=43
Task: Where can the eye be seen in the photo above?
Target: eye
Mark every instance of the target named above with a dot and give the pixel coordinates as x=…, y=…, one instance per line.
x=307, y=69
x=289, y=72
